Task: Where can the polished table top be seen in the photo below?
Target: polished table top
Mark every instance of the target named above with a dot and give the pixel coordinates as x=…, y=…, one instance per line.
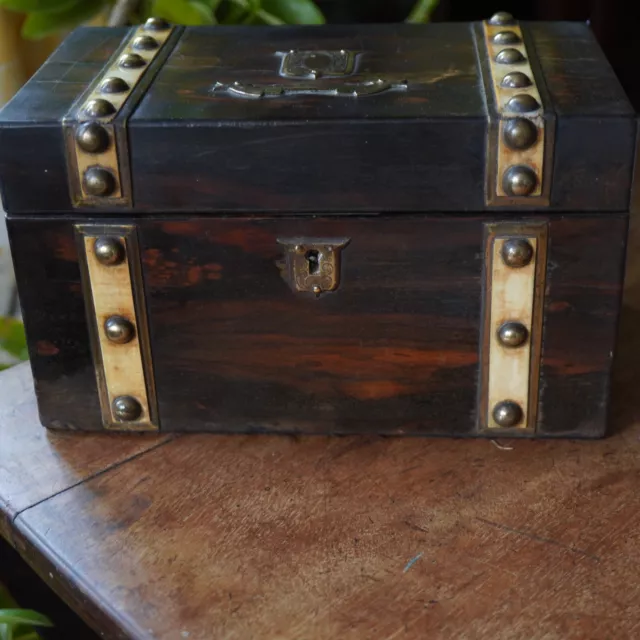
x=238, y=537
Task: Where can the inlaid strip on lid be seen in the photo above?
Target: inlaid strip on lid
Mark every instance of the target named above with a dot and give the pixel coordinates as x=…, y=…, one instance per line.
x=515, y=266
x=94, y=158
x=520, y=142
x=114, y=298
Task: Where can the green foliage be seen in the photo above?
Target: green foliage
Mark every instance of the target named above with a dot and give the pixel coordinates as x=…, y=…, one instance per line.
x=189, y=12
x=40, y=24
x=422, y=11
x=17, y=624
x=46, y=17
x=12, y=338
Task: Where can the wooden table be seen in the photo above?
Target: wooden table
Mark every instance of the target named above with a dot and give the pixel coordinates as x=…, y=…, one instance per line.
x=205, y=537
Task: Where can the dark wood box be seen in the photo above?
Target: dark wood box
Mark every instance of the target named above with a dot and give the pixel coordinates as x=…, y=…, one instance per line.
x=392, y=229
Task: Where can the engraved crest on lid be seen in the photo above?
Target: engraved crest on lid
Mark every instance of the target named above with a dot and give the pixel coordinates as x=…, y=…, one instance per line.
x=311, y=65
x=316, y=73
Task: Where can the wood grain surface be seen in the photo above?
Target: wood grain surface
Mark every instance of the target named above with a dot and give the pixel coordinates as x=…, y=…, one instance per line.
x=35, y=463
x=394, y=350
x=414, y=150
x=209, y=537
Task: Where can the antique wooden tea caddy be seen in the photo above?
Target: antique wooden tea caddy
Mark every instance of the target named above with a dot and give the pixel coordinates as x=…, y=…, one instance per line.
x=393, y=229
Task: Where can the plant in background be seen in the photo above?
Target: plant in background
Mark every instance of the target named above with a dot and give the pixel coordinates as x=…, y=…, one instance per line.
x=47, y=17
x=13, y=342
x=18, y=624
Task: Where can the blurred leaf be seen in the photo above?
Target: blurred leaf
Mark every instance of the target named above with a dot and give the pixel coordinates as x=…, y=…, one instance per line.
x=294, y=11
x=233, y=15
x=6, y=632
x=268, y=18
x=12, y=338
x=44, y=23
x=422, y=11
x=24, y=616
x=187, y=12
x=27, y=6
x=6, y=599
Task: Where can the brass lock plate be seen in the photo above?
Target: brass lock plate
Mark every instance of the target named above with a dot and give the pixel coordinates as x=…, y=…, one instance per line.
x=313, y=264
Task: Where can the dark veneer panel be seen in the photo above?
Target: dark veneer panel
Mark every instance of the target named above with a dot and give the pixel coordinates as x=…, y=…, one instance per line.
x=48, y=276
x=394, y=350
x=310, y=166
x=584, y=288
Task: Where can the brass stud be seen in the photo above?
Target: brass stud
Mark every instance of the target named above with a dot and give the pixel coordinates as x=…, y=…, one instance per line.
x=98, y=181
x=517, y=253
x=507, y=413
x=126, y=409
x=520, y=133
x=501, y=18
x=119, y=330
x=316, y=289
x=113, y=85
x=156, y=24
x=108, y=251
x=516, y=80
x=510, y=56
x=99, y=108
x=522, y=103
x=144, y=43
x=506, y=37
x=299, y=248
x=512, y=334
x=131, y=61
x=92, y=137
x=519, y=181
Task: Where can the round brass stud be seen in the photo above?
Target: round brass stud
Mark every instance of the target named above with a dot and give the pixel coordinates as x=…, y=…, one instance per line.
x=316, y=289
x=99, y=108
x=506, y=37
x=517, y=253
x=131, y=61
x=516, y=80
x=520, y=133
x=92, y=137
x=501, y=17
x=119, y=330
x=144, y=43
x=98, y=181
x=519, y=181
x=156, y=24
x=510, y=56
x=113, y=85
x=507, y=413
x=126, y=409
x=108, y=251
x=512, y=334
x=522, y=103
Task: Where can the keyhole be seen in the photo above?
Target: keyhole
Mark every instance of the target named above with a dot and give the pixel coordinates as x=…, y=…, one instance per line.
x=313, y=261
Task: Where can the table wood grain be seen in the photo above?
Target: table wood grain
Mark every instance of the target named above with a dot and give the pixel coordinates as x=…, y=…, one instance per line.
x=35, y=463
x=234, y=537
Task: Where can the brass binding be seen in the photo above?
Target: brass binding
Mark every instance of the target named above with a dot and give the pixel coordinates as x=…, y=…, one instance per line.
x=520, y=145
x=515, y=272
x=116, y=313
x=96, y=155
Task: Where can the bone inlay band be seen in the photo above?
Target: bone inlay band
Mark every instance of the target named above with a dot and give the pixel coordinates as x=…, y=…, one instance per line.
x=512, y=298
x=122, y=364
x=533, y=156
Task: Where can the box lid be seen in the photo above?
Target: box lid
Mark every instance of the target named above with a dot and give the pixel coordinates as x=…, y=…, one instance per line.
x=452, y=117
